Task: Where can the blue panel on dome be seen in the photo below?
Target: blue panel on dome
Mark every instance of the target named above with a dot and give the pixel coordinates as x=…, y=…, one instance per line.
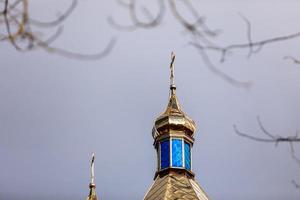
x=177, y=153
x=187, y=155
x=165, y=154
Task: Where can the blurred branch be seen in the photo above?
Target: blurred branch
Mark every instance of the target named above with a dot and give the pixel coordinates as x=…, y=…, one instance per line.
x=203, y=35
x=57, y=21
x=131, y=6
x=297, y=185
x=248, y=45
x=294, y=60
x=18, y=26
x=203, y=38
x=271, y=138
x=253, y=47
x=197, y=28
x=221, y=74
x=75, y=55
x=293, y=153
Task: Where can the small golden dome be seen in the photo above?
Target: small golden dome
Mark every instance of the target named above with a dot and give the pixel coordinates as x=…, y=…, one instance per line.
x=173, y=119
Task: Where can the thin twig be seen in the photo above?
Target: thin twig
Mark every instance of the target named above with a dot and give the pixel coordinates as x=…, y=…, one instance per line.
x=271, y=138
x=136, y=22
x=19, y=19
x=219, y=73
x=294, y=60
x=297, y=185
x=258, y=44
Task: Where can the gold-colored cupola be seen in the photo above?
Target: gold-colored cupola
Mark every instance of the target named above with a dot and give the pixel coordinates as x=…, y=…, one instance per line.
x=173, y=134
x=173, y=120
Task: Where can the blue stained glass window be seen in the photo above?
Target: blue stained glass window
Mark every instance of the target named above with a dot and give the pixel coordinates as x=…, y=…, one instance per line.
x=177, y=153
x=165, y=154
x=187, y=155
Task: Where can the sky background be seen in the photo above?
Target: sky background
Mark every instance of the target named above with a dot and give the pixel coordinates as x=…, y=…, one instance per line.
x=55, y=111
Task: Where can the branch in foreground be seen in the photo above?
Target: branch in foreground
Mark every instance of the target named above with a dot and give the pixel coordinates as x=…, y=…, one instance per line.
x=294, y=60
x=221, y=74
x=69, y=54
x=271, y=138
x=131, y=6
x=249, y=45
x=202, y=36
x=297, y=185
x=24, y=39
x=197, y=28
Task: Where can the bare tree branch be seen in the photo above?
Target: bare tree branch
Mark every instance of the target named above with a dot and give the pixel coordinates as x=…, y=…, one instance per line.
x=203, y=38
x=297, y=185
x=57, y=21
x=293, y=153
x=271, y=138
x=19, y=19
x=258, y=44
x=131, y=6
x=198, y=29
x=74, y=55
x=219, y=73
x=294, y=60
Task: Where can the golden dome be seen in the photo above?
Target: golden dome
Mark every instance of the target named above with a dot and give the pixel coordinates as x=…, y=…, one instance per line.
x=173, y=133
x=173, y=119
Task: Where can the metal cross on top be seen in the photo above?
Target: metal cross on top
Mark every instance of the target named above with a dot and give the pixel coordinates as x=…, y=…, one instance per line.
x=172, y=82
x=92, y=169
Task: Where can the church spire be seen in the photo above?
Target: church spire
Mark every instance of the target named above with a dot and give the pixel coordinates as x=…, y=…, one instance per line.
x=173, y=134
x=92, y=194
x=173, y=105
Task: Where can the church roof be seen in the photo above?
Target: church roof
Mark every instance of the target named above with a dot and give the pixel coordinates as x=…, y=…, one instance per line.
x=174, y=186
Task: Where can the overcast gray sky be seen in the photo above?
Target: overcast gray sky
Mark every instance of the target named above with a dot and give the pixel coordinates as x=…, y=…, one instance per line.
x=55, y=111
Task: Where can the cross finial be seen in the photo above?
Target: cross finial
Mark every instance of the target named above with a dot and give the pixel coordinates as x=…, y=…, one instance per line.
x=92, y=194
x=172, y=82
x=92, y=169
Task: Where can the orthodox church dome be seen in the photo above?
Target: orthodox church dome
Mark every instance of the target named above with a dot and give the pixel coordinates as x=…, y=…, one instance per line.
x=173, y=119
x=173, y=133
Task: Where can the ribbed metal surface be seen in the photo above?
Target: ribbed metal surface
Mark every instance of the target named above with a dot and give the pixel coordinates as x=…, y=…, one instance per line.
x=173, y=116
x=174, y=186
